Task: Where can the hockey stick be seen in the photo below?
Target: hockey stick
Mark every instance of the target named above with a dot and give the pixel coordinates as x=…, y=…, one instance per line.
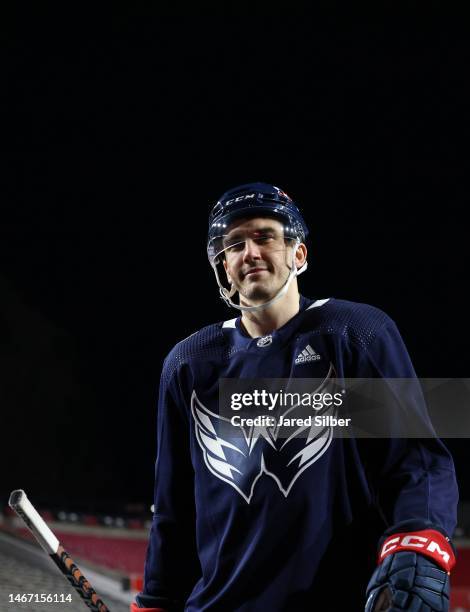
x=25, y=510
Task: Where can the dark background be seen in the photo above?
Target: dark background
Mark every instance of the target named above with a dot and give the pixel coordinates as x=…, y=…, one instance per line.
x=121, y=132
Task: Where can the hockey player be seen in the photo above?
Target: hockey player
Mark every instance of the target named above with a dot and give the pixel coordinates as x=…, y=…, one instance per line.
x=259, y=522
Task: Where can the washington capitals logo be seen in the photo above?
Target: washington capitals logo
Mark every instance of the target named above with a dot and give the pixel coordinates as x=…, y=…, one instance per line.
x=280, y=452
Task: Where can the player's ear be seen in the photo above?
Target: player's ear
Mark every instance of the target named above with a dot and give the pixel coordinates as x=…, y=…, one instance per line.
x=300, y=255
x=225, y=268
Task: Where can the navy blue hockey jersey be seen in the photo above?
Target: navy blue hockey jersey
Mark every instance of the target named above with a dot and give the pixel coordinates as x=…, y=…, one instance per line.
x=247, y=525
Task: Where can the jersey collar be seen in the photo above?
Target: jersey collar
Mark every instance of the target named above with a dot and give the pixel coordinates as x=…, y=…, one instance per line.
x=241, y=340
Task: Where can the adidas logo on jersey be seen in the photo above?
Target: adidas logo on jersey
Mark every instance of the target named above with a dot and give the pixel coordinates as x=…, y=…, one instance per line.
x=308, y=354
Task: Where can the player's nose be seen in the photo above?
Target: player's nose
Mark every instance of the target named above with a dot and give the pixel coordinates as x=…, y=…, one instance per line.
x=251, y=251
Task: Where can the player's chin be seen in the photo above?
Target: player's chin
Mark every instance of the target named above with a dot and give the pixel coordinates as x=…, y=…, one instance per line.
x=258, y=293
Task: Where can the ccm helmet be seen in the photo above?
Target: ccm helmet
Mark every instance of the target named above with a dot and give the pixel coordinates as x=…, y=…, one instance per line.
x=247, y=201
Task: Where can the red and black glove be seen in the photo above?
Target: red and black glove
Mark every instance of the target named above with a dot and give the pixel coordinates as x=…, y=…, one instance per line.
x=413, y=571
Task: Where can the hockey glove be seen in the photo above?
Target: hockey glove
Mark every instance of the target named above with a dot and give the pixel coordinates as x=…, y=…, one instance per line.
x=413, y=573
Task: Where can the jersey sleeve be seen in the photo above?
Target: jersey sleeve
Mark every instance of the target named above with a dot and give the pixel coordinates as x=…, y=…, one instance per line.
x=172, y=567
x=411, y=478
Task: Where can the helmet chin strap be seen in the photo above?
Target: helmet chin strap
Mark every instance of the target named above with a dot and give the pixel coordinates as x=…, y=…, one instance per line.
x=226, y=295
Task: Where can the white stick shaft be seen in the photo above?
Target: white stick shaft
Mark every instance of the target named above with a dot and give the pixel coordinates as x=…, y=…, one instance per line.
x=23, y=507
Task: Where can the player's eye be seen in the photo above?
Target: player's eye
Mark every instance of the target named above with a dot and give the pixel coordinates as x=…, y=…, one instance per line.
x=267, y=239
x=237, y=244
x=263, y=238
x=233, y=246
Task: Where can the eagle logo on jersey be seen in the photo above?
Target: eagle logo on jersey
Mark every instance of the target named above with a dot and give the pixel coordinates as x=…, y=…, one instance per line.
x=280, y=452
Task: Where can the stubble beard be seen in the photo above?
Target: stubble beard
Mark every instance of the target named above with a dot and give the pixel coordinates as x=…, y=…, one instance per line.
x=262, y=291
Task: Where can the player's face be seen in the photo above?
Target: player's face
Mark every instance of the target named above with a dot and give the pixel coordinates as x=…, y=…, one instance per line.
x=257, y=258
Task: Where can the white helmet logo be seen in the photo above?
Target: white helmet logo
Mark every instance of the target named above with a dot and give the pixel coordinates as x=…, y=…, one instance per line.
x=240, y=198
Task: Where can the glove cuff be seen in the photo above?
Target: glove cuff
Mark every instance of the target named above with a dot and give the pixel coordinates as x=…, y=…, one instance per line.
x=428, y=542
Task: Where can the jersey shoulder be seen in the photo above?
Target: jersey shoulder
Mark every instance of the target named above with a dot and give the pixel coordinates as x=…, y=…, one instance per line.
x=357, y=322
x=206, y=343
